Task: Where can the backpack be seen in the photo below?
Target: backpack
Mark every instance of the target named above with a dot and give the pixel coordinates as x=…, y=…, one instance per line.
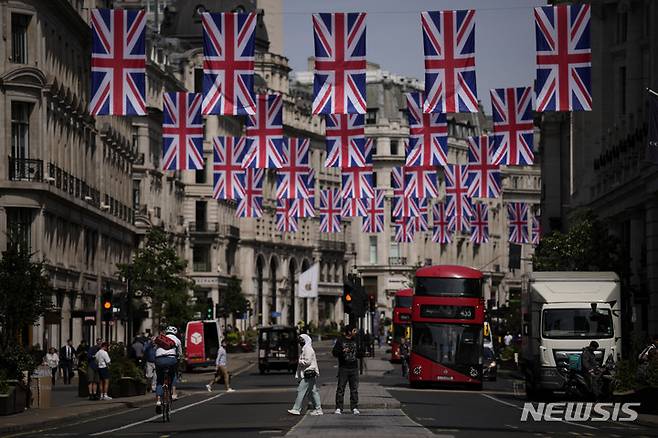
x=575, y=363
x=165, y=342
x=91, y=358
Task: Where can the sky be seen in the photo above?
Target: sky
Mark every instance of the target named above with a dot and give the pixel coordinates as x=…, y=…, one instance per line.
x=504, y=36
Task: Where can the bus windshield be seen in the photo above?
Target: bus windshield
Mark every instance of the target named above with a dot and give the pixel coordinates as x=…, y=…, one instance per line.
x=448, y=344
x=577, y=324
x=403, y=301
x=454, y=287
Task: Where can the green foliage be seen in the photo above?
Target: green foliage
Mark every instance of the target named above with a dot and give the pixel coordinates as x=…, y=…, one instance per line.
x=234, y=301
x=14, y=360
x=122, y=366
x=587, y=246
x=159, y=273
x=508, y=353
x=4, y=386
x=651, y=373
x=625, y=375
x=25, y=293
x=232, y=338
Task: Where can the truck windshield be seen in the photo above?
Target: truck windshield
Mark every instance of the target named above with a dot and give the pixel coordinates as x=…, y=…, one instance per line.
x=449, y=287
x=577, y=324
x=403, y=301
x=448, y=344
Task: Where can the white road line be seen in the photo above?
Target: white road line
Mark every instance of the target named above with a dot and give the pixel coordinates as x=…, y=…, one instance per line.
x=137, y=423
x=520, y=408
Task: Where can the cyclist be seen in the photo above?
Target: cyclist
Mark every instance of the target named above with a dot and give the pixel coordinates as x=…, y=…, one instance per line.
x=166, y=360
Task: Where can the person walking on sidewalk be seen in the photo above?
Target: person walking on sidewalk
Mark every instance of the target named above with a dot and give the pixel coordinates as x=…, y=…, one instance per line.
x=67, y=356
x=221, y=370
x=346, y=350
x=92, y=370
x=404, y=355
x=52, y=360
x=103, y=361
x=307, y=373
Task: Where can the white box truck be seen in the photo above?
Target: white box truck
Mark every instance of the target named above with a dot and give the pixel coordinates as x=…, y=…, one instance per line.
x=562, y=312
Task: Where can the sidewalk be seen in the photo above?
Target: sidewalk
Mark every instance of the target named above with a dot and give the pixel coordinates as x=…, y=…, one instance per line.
x=380, y=412
x=65, y=404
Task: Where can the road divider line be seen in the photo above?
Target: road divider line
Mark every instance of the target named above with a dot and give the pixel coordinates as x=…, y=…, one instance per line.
x=520, y=408
x=137, y=423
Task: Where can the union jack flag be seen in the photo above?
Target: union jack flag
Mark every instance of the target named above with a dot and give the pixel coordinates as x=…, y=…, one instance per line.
x=449, y=41
x=265, y=129
x=331, y=204
x=357, y=181
x=286, y=222
x=182, y=132
x=405, y=230
x=292, y=177
x=421, y=222
x=442, y=233
x=118, y=62
x=480, y=224
x=536, y=230
x=402, y=205
x=484, y=177
x=229, y=177
x=459, y=223
x=339, y=85
x=354, y=207
x=517, y=213
x=228, y=63
x=564, y=58
x=252, y=203
x=457, y=191
x=420, y=182
x=345, y=140
x=305, y=207
x=512, y=125
x=373, y=222
x=428, y=135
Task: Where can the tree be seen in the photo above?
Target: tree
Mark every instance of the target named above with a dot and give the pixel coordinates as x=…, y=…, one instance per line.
x=25, y=292
x=587, y=246
x=159, y=273
x=234, y=301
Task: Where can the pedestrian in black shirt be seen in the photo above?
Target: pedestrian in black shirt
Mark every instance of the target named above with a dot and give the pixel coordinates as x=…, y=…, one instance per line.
x=347, y=351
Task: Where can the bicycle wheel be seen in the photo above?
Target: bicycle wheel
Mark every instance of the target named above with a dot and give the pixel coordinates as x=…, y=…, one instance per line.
x=165, y=403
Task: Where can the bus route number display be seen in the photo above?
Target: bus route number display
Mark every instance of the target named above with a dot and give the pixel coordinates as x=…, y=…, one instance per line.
x=447, y=312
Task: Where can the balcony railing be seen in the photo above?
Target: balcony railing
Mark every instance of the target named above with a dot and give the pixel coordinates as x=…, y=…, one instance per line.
x=331, y=245
x=397, y=261
x=231, y=231
x=203, y=227
x=25, y=169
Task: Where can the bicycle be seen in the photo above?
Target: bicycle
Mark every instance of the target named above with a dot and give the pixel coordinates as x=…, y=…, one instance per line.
x=166, y=399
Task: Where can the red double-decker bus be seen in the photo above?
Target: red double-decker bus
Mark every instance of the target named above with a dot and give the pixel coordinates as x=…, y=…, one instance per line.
x=447, y=318
x=401, y=320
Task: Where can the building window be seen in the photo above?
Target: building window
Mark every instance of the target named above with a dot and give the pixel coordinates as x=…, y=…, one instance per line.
x=394, y=147
x=20, y=128
x=374, y=179
x=198, y=80
x=622, y=26
x=622, y=90
x=373, y=250
x=200, y=175
x=374, y=146
x=371, y=116
x=19, y=226
x=201, y=258
x=19, y=24
x=200, y=215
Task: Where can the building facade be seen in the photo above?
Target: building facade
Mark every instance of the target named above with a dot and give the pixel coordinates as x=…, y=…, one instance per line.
x=596, y=160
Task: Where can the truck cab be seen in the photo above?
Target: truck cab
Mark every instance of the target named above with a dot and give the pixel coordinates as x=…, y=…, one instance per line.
x=562, y=312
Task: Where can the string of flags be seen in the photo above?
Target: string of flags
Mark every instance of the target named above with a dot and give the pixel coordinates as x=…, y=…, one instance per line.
x=563, y=59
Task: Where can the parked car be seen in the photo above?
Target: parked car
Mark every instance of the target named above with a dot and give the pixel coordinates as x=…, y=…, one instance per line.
x=489, y=365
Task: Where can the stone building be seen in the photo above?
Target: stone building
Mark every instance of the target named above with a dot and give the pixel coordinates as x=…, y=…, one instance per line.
x=386, y=266
x=595, y=160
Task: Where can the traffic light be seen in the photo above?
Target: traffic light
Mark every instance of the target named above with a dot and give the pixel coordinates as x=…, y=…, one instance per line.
x=348, y=297
x=373, y=302
x=209, y=309
x=107, y=308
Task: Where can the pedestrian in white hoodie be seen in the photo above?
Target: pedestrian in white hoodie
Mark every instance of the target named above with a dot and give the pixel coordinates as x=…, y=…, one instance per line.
x=307, y=372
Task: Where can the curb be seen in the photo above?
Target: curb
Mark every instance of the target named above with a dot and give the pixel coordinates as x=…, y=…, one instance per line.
x=104, y=409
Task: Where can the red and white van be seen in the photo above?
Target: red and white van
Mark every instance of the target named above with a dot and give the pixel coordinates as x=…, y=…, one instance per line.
x=201, y=343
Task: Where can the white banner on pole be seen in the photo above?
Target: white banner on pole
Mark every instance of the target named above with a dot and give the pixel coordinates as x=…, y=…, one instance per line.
x=307, y=287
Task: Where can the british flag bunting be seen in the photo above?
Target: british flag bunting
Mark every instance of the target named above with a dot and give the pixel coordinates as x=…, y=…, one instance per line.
x=339, y=85
x=428, y=134
x=251, y=205
x=483, y=176
x=228, y=63
x=513, y=128
x=449, y=43
x=292, y=177
x=331, y=204
x=118, y=62
x=442, y=233
x=229, y=177
x=345, y=140
x=265, y=130
x=182, y=132
x=517, y=215
x=373, y=221
x=564, y=58
x=480, y=224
